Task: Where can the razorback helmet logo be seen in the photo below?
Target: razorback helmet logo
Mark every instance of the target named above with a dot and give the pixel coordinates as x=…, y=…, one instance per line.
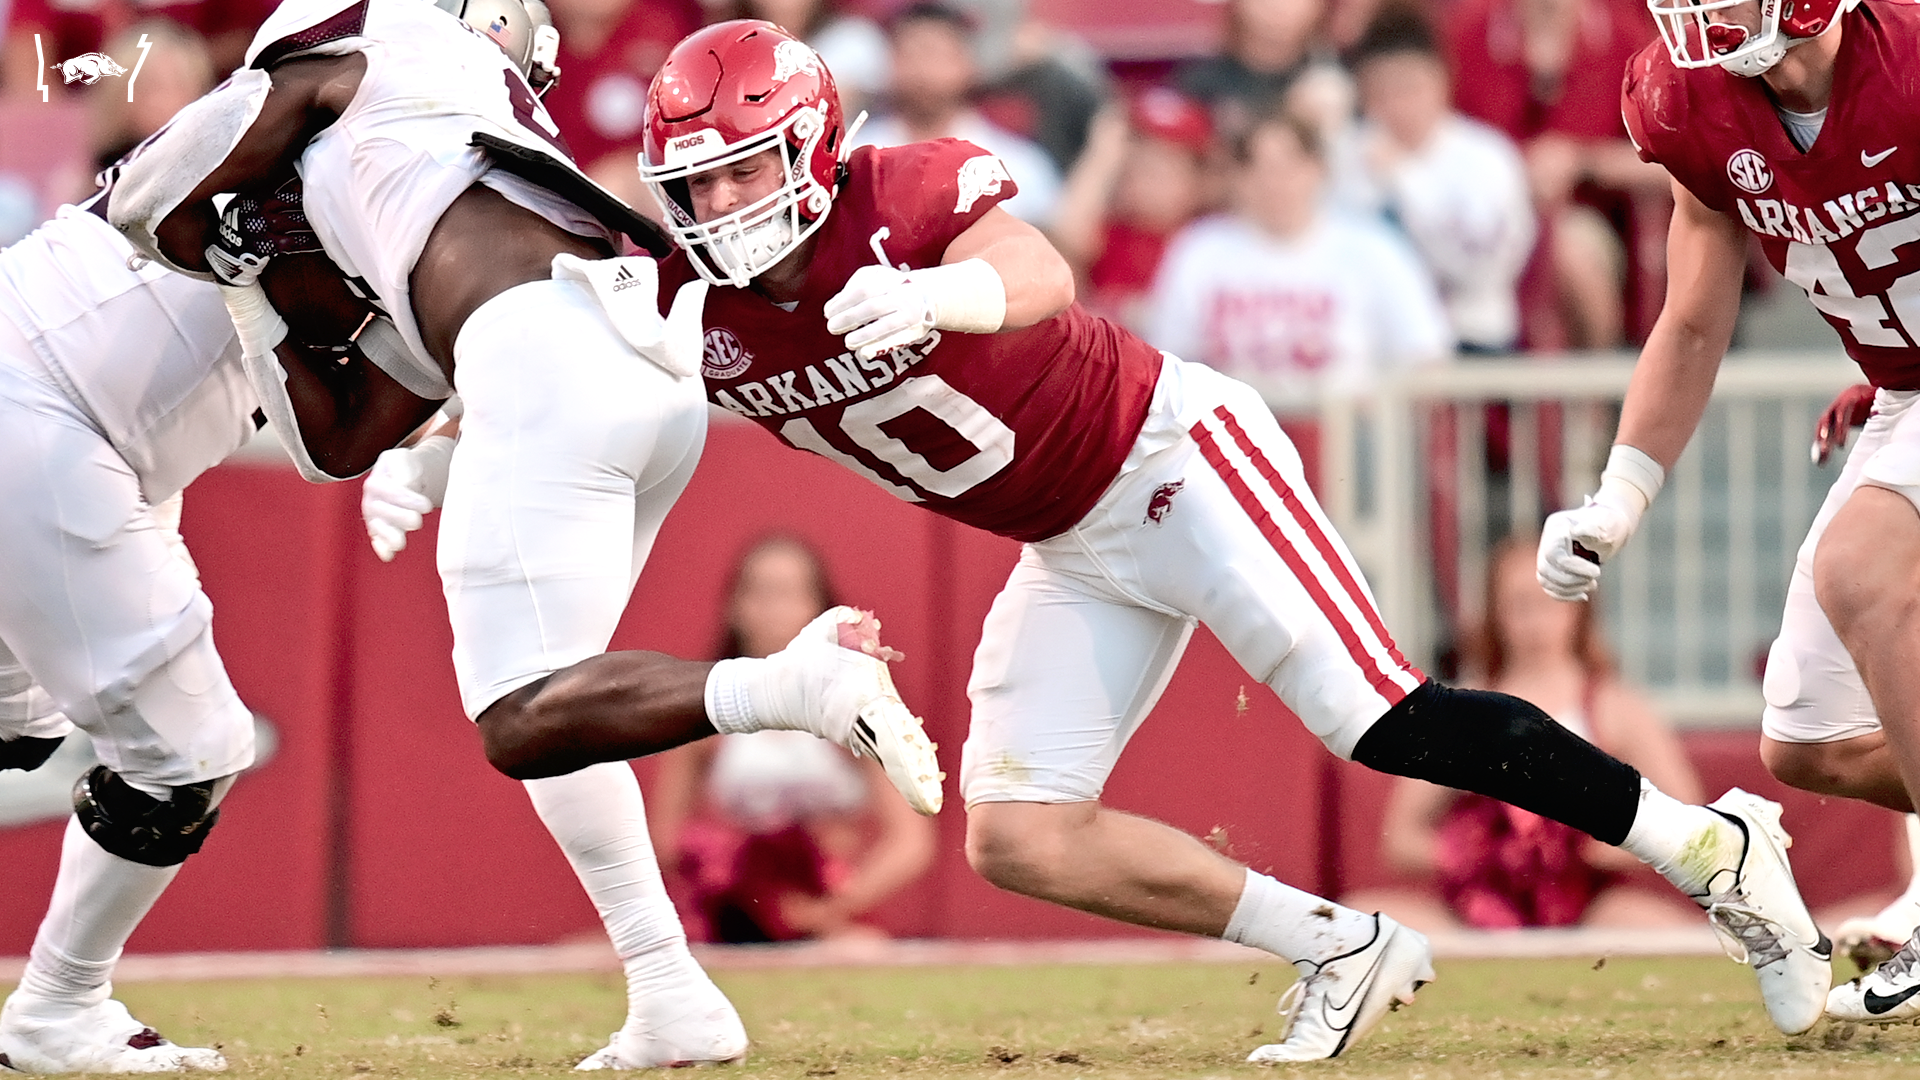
x=728, y=93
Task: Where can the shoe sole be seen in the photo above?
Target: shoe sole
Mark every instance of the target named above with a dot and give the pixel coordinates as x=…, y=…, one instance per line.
x=888, y=732
x=1764, y=815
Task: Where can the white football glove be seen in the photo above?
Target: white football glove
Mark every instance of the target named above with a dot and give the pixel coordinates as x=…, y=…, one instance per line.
x=404, y=485
x=1573, y=543
x=882, y=308
x=879, y=309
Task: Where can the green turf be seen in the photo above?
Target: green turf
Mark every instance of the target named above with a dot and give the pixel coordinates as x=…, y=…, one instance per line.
x=1638, y=1019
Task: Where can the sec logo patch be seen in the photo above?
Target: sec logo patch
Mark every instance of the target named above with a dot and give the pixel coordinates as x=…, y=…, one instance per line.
x=1749, y=172
x=722, y=356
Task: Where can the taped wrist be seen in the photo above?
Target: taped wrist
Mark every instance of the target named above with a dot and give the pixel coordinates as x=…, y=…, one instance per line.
x=968, y=296
x=729, y=701
x=1500, y=746
x=1630, y=482
x=134, y=825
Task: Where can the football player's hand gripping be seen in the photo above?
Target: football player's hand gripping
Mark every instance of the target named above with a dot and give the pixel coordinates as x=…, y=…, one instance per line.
x=1850, y=409
x=883, y=308
x=1573, y=543
x=405, y=485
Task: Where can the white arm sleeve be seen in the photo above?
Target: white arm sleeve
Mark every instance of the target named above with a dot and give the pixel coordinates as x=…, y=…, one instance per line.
x=261, y=328
x=158, y=176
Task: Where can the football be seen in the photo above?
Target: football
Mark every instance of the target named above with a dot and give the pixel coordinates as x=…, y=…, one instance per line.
x=312, y=295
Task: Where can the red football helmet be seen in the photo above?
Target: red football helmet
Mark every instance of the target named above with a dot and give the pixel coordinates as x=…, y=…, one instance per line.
x=1696, y=39
x=726, y=93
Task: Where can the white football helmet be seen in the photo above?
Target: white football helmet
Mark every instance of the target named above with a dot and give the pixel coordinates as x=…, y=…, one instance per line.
x=523, y=29
x=1695, y=39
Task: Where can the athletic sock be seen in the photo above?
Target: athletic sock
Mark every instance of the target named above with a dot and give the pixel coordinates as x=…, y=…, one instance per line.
x=598, y=818
x=1294, y=925
x=1688, y=845
x=98, y=900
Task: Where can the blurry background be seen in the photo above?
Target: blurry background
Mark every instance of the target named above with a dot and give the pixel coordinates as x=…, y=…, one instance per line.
x=1416, y=226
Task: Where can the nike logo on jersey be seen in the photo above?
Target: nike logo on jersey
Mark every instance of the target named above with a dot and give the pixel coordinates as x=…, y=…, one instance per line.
x=1870, y=160
x=1880, y=1006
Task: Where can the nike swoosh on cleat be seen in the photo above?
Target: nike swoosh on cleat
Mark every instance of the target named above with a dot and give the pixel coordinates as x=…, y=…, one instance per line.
x=1878, y=1005
x=1870, y=160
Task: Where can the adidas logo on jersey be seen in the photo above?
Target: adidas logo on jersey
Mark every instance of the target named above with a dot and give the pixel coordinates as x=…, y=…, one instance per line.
x=625, y=279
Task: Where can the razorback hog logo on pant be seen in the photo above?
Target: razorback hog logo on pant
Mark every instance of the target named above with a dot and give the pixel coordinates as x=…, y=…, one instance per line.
x=89, y=68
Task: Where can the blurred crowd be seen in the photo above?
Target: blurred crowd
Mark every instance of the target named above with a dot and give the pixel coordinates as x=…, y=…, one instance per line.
x=1344, y=187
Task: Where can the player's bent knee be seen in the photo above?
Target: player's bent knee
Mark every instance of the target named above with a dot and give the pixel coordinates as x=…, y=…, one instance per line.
x=1018, y=846
x=134, y=825
x=1815, y=767
x=518, y=734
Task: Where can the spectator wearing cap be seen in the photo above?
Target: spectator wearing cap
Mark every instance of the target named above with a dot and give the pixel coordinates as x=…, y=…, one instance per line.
x=934, y=78
x=1455, y=186
x=1547, y=74
x=1143, y=176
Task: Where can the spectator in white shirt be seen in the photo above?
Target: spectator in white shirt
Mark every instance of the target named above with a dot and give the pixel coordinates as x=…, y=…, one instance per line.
x=1456, y=186
x=934, y=76
x=1287, y=294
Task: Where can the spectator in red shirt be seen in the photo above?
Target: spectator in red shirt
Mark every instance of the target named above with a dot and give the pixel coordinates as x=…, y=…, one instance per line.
x=1548, y=73
x=609, y=50
x=1143, y=175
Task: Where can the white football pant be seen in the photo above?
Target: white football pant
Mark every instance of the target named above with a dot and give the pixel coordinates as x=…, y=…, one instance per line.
x=1814, y=693
x=101, y=622
x=1210, y=520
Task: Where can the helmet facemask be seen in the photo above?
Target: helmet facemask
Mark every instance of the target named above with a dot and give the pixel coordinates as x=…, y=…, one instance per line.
x=739, y=246
x=1695, y=41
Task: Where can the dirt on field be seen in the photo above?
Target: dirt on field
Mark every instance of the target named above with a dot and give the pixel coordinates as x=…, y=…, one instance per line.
x=1625, y=1018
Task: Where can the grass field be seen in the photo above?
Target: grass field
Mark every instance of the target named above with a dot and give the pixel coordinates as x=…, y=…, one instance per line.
x=1644, y=1019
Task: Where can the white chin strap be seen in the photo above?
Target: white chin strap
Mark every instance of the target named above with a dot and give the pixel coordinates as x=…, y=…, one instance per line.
x=1761, y=61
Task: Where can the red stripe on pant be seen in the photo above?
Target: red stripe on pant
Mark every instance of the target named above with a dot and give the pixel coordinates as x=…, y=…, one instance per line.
x=1311, y=526
x=1381, y=682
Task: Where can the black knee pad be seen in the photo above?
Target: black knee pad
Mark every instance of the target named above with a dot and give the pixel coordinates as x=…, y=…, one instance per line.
x=134, y=825
x=1505, y=748
x=27, y=754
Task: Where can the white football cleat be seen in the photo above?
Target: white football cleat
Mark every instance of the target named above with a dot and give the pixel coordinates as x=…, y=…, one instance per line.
x=706, y=1031
x=1872, y=940
x=98, y=1038
x=1326, y=1010
x=1756, y=909
x=1885, y=995
x=842, y=647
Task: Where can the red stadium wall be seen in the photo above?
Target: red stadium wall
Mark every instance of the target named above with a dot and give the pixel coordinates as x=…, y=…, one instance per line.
x=377, y=823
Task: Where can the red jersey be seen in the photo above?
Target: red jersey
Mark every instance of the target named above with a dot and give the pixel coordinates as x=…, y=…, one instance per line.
x=1018, y=433
x=1840, y=219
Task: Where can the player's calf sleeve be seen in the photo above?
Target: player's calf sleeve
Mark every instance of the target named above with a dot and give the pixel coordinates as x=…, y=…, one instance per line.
x=1505, y=748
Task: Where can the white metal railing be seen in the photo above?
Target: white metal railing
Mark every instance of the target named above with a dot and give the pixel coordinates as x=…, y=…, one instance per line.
x=1692, y=603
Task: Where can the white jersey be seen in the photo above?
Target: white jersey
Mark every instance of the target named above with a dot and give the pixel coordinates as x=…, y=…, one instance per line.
x=1464, y=202
x=379, y=178
x=148, y=355
x=1333, y=308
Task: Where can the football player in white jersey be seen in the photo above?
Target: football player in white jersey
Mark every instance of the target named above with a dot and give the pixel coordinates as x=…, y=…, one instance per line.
x=119, y=383
x=433, y=175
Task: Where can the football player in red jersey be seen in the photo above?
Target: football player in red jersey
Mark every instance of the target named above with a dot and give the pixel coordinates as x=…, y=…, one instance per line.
x=1795, y=123
x=879, y=308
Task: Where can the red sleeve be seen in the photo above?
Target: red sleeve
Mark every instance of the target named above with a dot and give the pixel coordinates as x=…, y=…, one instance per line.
x=931, y=192
x=1630, y=108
